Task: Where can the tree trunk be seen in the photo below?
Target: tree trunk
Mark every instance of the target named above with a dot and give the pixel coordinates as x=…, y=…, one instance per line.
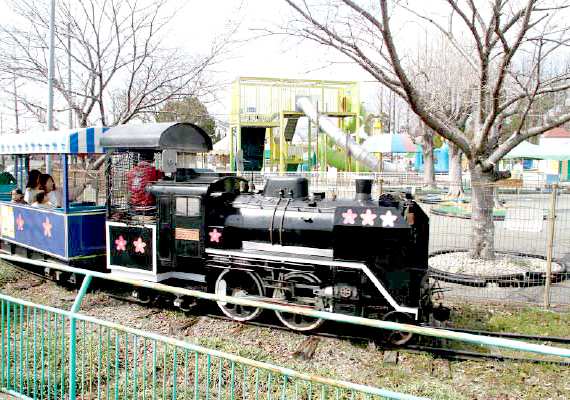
x=427, y=152
x=455, y=181
x=482, y=243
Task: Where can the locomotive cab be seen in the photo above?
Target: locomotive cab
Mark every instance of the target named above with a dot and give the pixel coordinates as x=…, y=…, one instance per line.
x=151, y=215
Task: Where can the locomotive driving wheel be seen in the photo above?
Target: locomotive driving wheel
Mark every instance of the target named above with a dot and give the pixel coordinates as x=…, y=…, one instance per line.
x=398, y=338
x=239, y=284
x=302, y=296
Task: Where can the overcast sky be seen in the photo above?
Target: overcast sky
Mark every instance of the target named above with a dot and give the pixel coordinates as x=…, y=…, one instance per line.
x=199, y=21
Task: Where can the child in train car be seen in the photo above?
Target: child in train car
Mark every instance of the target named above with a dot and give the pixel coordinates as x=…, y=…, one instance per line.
x=17, y=196
x=33, y=186
x=41, y=201
x=55, y=195
x=138, y=178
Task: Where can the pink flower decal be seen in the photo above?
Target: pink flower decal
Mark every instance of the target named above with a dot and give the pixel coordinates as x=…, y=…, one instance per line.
x=215, y=236
x=368, y=218
x=20, y=222
x=121, y=243
x=139, y=245
x=349, y=217
x=47, y=227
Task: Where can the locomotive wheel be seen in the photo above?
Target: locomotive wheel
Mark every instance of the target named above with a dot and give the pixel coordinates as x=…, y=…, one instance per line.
x=302, y=297
x=398, y=338
x=142, y=295
x=239, y=284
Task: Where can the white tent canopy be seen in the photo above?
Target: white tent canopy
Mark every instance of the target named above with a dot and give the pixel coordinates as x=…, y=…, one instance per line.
x=527, y=150
x=75, y=141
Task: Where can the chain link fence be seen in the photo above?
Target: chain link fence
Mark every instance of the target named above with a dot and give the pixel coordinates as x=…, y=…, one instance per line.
x=530, y=226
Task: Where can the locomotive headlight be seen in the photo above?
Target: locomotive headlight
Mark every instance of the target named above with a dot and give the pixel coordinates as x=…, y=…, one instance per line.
x=340, y=291
x=345, y=292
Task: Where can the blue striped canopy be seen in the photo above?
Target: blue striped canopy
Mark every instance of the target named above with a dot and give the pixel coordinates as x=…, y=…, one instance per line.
x=75, y=141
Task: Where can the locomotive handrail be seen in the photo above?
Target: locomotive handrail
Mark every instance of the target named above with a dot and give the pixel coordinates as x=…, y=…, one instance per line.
x=394, y=326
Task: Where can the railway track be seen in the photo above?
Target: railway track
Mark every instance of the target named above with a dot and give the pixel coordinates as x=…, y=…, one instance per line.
x=335, y=330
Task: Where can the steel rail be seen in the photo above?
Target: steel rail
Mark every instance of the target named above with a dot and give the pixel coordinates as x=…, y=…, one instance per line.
x=394, y=326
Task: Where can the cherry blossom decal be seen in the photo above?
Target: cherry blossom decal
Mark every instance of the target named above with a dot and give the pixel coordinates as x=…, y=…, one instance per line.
x=349, y=217
x=215, y=236
x=47, y=227
x=388, y=219
x=139, y=245
x=121, y=243
x=20, y=222
x=368, y=218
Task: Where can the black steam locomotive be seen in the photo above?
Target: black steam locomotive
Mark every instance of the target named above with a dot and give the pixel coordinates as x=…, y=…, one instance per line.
x=360, y=257
x=212, y=232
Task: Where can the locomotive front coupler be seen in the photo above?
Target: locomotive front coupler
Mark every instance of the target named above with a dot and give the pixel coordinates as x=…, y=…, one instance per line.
x=440, y=312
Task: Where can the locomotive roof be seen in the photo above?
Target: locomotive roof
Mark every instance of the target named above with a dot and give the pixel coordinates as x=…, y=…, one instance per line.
x=181, y=136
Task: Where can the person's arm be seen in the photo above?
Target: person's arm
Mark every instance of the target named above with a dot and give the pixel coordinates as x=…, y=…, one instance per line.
x=76, y=191
x=55, y=197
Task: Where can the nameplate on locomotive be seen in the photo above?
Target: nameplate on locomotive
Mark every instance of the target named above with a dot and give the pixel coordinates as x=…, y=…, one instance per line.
x=187, y=234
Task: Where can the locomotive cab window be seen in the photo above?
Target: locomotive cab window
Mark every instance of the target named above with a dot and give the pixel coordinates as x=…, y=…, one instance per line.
x=188, y=206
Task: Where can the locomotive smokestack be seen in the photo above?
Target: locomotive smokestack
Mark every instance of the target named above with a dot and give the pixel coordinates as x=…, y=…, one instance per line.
x=363, y=189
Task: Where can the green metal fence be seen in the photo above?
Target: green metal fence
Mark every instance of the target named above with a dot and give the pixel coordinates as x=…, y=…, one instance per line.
x=48, y=353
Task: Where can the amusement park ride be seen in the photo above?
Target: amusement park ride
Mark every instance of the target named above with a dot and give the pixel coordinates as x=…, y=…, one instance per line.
x=365, y=257
x=264, y=115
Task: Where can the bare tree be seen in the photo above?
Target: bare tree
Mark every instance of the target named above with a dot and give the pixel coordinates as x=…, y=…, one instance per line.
x=428, y=146
x=122, y=60
x=504, y=44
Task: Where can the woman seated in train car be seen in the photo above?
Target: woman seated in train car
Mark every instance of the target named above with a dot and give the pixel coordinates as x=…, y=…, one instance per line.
x=55, y=195
x=41, y=201
x=33, y=186
x=17, y=196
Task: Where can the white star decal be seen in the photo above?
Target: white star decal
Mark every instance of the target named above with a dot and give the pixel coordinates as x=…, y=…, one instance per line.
x=388, y=219
x=368, y=218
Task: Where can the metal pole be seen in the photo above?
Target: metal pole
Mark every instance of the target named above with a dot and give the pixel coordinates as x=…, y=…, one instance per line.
x=50, y=77
x=16, y=112
x=318, y=158
x=73, y=335
x=281, y=143
x=357, y=123
x=309, y=147
x=65, y=182
x=549, y=250
x=69, y=73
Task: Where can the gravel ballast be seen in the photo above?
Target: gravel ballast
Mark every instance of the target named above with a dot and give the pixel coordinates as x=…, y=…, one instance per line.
x=503, y=264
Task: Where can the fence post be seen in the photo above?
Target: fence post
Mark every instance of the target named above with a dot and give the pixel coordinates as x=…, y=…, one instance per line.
x=73, y=335
x=551, y=219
